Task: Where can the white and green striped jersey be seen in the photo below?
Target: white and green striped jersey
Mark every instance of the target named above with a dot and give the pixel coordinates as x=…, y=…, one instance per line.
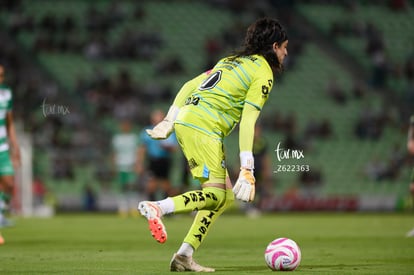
x=5, y=106
x=125, y=150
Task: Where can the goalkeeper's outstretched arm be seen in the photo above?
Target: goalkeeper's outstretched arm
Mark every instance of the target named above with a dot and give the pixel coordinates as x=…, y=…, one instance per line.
x=247, y=125
x=244, y=189
x=187, y=89
x=163, y=129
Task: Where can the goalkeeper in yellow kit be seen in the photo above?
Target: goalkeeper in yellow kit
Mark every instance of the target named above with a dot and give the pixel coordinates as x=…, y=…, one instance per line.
x=204, y=112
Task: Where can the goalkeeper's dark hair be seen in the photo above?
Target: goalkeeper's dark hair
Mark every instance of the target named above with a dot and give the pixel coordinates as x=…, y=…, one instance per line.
x=259, y=39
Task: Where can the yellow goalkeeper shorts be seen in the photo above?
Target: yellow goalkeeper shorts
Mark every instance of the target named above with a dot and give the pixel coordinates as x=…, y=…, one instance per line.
x=204, y=154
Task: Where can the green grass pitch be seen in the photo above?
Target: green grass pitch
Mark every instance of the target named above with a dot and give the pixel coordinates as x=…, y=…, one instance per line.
x=331, y=243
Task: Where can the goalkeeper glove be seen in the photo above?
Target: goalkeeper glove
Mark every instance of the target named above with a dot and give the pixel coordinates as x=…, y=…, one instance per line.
x=163, y=129
x=244, y=189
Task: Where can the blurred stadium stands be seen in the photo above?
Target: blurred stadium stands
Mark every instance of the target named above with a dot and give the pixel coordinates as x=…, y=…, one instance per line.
x=351, y=66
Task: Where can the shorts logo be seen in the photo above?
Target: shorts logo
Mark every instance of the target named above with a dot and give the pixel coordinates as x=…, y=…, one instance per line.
x=223, y=164
x=192, y=163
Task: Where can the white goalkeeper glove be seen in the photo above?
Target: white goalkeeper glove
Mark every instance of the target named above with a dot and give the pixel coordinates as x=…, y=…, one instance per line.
x=244, y=189
x=164, y=129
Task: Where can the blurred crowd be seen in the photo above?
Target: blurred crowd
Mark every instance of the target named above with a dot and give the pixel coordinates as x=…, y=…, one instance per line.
x=84, y=136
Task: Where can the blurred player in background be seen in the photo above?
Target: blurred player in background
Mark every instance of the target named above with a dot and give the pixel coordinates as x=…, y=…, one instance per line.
x=204, y=112
x=158, y=155
x=410, y=146
x=9, y=150
x=125, y=147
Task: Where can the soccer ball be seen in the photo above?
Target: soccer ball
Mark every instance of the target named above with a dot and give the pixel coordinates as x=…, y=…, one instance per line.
x=282, y=254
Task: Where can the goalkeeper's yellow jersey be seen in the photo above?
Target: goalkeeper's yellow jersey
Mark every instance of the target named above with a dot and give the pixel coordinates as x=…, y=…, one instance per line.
x=216, y=101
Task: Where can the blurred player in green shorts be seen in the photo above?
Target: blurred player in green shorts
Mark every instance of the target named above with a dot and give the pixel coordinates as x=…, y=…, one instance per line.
x=204, y=112
x=9, y=149
x=410, y=147
x=125, y=148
